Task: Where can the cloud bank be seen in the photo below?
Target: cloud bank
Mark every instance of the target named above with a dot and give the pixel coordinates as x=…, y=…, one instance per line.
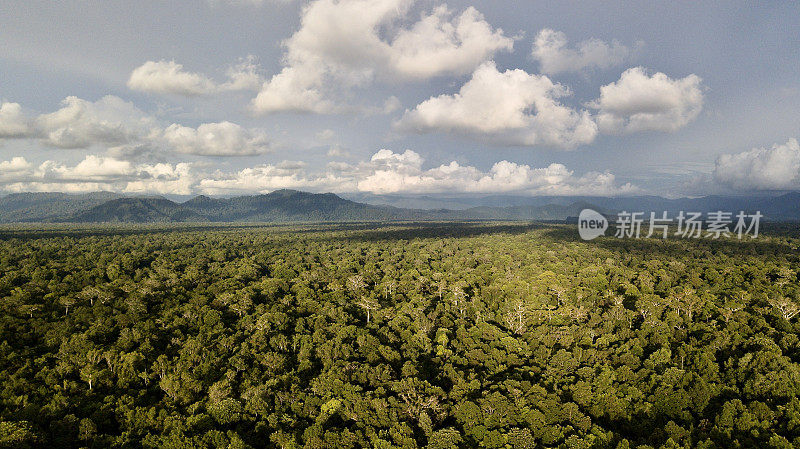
x=384, y=172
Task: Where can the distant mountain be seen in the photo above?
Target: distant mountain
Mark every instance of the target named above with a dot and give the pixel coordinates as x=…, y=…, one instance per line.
x=27, y=207
x=289, y=205
x=278, y=206
x=784, y=207
x=203, y=202
x=295, y=206
x=418, y=202
x=546, y=212
x=776, y=208
x=135, y=210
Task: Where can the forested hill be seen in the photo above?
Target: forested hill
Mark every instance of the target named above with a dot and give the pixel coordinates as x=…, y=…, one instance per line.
x=136, y=210
x=295, y=206
x=776, y=207
x=278, y=206
x=27, y=207
x=289, y=205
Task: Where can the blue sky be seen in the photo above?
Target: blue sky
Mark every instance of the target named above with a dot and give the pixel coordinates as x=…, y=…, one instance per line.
x=226, y=97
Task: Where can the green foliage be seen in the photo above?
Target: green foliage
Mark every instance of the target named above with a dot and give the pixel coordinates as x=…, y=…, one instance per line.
x=439, y=335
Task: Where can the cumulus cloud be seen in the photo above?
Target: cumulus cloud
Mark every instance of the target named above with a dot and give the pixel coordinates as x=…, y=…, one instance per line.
x=17, y=164
x=91, y=172
x=243, y=76
x=82, y=124
x=177, y=179
x=65, y=187
x=92, y=168
x=443, y=44
x=390, y=172
x=294, y=90
x=216, y=139
x=346, y=43
x=642, y=102
x=384, y=172
x=96, y=173
x=143, y=150
x=554, y=56
x=127, y=132
x=169, y=77
x=268, y=177
x=511, y=107
x=12, y=121
x=775, y=168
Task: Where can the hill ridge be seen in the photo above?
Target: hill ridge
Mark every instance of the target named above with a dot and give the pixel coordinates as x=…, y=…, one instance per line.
x=288, y=205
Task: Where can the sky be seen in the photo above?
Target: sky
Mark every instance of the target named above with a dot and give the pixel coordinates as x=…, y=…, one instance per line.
x=230, y=97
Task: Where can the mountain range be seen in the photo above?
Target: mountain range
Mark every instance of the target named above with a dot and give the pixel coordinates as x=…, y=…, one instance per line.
x=296, y=206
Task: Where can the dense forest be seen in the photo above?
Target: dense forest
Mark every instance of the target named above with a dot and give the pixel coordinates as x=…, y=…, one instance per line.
x=438, y=335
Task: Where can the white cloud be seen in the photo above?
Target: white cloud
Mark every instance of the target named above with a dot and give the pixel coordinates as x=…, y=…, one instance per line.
x=268, y=177
x=346, y=43
x=12, y=122
x=178, y=179
x=82, y=124
x=243, y=76
x=384, y=172
x=640, y=102
x=92, y=168
x=97, y=173
x=17, y=164
x=440, y=44
x=512, y=107
x=776, y=168
x=389, y=172
x=294, y=90
x=216, y=139
x=143, y=150
x=129, y=133
x=550, y=49
x=65, y=187
x=169, y=77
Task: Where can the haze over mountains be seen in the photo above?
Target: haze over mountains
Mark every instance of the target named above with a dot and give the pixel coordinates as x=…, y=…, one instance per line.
x=778, y=207
x=296, y=206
